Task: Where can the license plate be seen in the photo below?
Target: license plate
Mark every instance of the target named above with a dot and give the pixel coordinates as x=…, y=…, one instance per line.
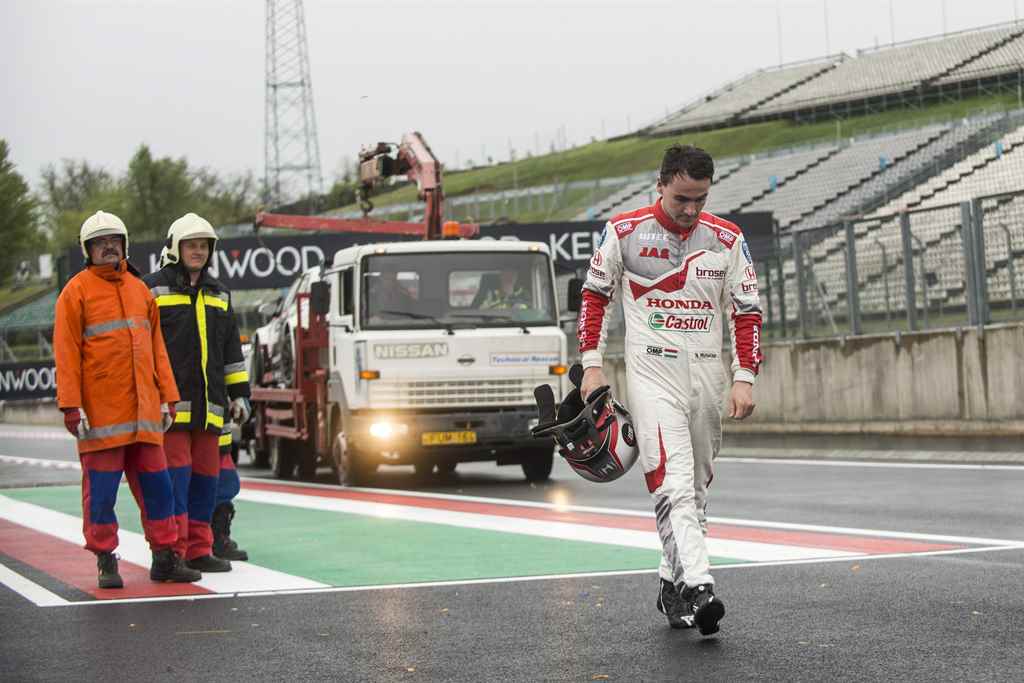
x=447, y=438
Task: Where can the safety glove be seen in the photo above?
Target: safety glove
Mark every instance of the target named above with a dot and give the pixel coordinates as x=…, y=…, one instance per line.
x=76, y=422
x=168, y=412
x=240, y=410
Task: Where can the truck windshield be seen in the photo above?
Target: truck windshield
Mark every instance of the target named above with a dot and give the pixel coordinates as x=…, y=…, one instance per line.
x=464, y=289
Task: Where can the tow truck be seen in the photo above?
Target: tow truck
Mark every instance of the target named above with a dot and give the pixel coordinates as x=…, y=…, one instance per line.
x=423, y=352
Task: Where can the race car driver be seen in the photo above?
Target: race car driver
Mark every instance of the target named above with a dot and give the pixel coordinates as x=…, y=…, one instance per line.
x=679, y=271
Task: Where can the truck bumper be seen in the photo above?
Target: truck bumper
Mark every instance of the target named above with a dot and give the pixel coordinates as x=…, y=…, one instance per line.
x=502, y=435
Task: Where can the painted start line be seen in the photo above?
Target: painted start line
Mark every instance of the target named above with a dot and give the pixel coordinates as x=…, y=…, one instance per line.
x=315, y=538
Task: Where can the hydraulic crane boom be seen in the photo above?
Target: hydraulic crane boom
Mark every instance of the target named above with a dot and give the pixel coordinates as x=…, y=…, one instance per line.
x=413, y=159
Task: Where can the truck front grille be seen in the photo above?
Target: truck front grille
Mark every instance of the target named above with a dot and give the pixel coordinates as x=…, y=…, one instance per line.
x=444, y=393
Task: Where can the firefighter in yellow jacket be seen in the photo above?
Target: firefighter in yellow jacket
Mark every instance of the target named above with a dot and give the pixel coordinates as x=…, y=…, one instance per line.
x=117, y=392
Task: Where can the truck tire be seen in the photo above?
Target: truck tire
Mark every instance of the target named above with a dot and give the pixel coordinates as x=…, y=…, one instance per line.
x=538, y=462
x=349, y=468
x=287, y=358
x=281, y=461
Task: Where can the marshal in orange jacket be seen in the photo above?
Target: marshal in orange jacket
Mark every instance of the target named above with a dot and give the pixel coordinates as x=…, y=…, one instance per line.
x=110, y=356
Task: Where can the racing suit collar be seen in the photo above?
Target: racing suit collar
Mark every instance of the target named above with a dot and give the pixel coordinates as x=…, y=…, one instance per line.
x=666, y=221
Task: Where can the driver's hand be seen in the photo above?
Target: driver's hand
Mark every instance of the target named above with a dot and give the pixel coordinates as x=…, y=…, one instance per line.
x=593, y=378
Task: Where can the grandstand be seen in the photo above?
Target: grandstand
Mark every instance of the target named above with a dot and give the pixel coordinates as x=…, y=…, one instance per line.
x=742, y=95
x=995, y=171
x=910, y=72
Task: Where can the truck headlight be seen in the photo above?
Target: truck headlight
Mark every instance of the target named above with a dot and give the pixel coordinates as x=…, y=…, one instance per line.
x=385, y=430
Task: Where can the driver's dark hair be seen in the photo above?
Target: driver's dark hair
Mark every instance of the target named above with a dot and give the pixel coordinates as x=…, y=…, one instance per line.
x=686, y=160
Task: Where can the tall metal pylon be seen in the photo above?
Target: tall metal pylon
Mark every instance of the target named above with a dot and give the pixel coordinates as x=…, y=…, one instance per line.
x=291, y=147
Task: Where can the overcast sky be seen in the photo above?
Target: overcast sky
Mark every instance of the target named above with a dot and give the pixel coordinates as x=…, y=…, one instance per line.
x=93, y=79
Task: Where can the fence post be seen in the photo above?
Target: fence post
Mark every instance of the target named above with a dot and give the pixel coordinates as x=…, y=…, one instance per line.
x=967, y=240
x=981, y=274
x=801, y=288
x=852, y=293
x=910, y=296
x=781, y=278
x=1010, y=270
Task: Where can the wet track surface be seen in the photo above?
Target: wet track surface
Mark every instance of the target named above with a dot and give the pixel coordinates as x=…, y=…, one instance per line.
x=957, y=614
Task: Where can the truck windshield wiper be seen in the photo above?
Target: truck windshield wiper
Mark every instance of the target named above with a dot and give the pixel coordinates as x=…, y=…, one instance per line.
x=449, y=328
x=493, y=316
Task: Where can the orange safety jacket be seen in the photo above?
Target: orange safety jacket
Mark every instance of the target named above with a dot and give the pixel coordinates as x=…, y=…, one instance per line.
x=110, y=356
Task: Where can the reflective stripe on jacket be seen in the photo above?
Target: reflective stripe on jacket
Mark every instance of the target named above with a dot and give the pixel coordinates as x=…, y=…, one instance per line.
x=204, y=346
x=110, y=357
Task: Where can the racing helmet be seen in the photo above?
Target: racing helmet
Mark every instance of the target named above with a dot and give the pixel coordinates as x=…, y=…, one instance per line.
x=596, y=437
x=101, y=224
x=190, y=226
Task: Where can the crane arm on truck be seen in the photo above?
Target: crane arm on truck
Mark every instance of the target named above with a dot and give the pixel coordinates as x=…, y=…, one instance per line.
x=412, y=158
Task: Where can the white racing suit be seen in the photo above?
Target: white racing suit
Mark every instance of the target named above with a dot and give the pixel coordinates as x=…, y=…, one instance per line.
x=675, y=285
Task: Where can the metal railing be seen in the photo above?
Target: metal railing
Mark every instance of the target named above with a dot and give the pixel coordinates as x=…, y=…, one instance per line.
x=941, y=266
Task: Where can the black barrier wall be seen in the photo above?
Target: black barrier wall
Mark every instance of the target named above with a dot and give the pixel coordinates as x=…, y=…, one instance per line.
x=20, y=381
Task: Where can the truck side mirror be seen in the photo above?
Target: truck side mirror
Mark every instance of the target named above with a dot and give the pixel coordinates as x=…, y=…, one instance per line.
x=574, y=296
x=320, y=298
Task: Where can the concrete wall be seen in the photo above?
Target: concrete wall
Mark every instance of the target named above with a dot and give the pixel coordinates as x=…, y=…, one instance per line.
x=955, y=382
x=937, y=382
x=31, y=412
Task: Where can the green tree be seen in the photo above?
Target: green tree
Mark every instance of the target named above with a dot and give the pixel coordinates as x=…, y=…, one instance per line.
x=149, y=196
x=19, y=218
x=74, y=191
x=159, y=191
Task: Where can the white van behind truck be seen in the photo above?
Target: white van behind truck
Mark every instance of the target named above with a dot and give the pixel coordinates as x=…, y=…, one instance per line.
x=429, y=353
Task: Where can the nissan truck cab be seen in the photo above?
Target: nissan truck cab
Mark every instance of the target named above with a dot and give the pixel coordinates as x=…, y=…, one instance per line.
x=435, y=348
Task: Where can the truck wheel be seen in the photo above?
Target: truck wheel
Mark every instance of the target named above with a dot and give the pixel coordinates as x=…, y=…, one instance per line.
x=287, y=360
x=538, y=463
x=281, y=462
x=348, y=467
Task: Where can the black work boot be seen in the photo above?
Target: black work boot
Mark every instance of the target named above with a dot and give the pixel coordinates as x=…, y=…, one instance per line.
x=107, y=565
x=209, y=563
x=707, y=608
x=168, y=566
x=672, y=605
x=223, y=546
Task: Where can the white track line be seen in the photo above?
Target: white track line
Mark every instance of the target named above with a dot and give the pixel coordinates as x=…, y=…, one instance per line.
x=568, y=531
x=521, y=579
x=561, y=507
x=873, y=463
x=133, y=548
x=29, y=590
x=35, y=434
x=42, y=462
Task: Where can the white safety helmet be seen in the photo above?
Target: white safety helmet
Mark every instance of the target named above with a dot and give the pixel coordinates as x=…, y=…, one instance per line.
x=188, y=227
x=101, y=224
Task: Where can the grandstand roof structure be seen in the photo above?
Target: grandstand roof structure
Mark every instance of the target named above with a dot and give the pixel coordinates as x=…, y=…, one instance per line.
x=911, y=69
